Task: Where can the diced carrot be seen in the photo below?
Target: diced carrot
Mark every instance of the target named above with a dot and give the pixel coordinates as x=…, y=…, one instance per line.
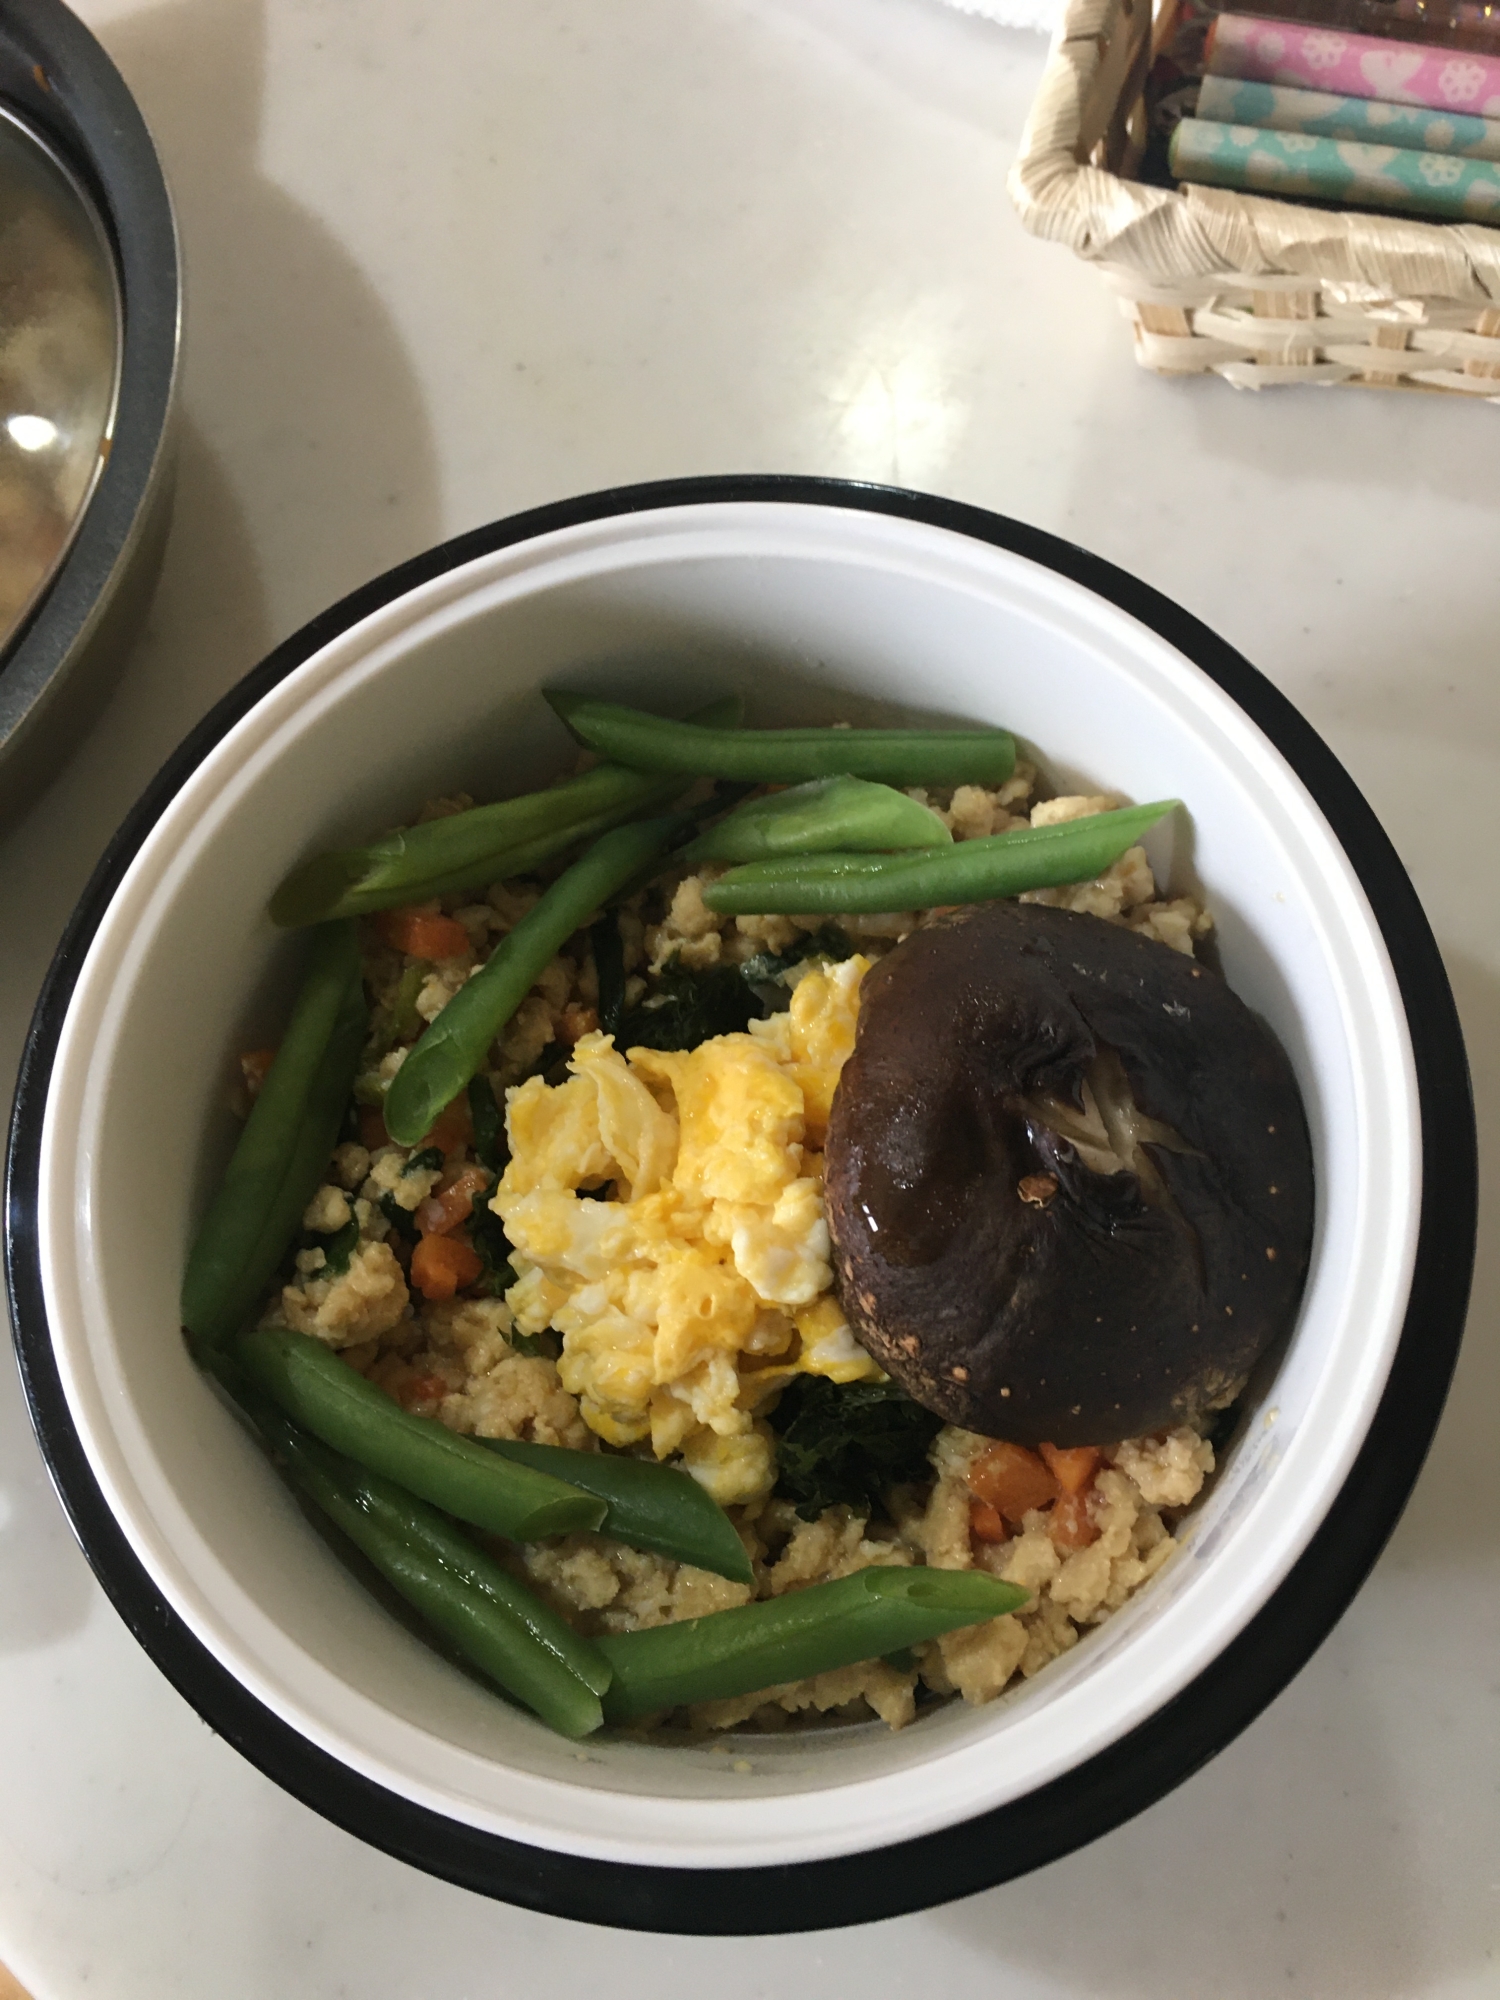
x=443, y=1265
x=1073, y=1468
x=254, y=1064
x=575, y=1022
x=1070, y=1524
x=451, y=1129
x=421, y=1389
x=449, y=1205
x=372, y=1132
x=985, y=1525
x=423, y=932
x=1012, y=1479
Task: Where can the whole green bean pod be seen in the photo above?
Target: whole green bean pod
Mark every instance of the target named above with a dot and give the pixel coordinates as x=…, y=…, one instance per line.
x=430, y=1533
x=971, y=871
x=468, y=850
x=860, y=1617
x=455, y=1044
x=325, y=1397
x=787, y=756
x=284, y=1148
x=455, y=1590
x=651, y=1506
x=827, y=814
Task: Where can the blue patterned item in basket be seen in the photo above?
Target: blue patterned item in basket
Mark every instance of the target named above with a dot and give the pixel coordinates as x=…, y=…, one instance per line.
x=1297, y=164
x=1229, y=101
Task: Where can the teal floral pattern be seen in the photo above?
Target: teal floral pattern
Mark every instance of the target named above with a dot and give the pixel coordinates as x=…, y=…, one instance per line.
x=1346, y=170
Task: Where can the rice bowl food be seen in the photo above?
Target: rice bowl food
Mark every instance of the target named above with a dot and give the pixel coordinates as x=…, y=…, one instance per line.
x=819, y=598
x=614, y=1238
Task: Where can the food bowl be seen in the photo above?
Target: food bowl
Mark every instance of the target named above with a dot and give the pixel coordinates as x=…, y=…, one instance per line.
x=818, y=600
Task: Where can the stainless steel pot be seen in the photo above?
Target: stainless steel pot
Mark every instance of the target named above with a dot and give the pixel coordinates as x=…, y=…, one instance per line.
x=90, y=311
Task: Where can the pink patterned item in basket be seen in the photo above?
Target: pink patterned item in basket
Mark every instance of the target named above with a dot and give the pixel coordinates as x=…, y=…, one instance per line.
x=1307, y=57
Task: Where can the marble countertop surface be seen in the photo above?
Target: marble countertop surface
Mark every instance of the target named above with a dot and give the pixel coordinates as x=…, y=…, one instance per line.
x=447, y=261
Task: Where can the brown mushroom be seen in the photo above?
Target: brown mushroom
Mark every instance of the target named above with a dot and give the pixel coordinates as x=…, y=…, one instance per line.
x=1069, y=1181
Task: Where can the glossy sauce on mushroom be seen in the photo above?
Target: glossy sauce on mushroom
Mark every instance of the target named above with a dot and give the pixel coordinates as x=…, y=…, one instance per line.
x=1069, y=1182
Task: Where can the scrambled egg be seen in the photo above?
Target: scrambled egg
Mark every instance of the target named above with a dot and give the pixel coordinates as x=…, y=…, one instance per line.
x=701, y=1282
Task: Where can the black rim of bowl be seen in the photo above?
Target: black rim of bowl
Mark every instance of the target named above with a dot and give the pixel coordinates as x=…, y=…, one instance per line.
x=54, y=72
x=1087, y=1801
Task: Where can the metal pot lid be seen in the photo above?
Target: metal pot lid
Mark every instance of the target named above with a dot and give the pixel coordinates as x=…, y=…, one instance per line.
x=61, y=330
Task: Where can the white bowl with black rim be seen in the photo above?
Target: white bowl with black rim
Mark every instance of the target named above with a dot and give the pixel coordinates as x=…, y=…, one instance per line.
x=816, y=598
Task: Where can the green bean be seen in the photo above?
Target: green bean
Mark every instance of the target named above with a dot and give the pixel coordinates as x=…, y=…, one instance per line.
x=971, y=871
x=456, y=1043
x=651, y=1506
x=324, y=1396
x=786, y=756
x=508, y=1634
x=283, y=1151
x=469, y=850
x=828, y=814
x=860, y=1617
x=431, y=1534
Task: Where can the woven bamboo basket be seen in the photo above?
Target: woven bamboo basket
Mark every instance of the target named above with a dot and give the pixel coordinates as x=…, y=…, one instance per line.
x=1259, y=291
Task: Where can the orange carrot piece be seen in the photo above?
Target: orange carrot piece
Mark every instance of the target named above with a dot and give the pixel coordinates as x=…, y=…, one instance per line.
x=254, y=1064
x=1070, y=1524
x=448, y=1206
x=443, y=1265
x=451, y=1129
x=1012, y=1479
x=575, y=1022
x=421, y=1389
x=1073, y=1468
x=985, y=1524
x=372, y=1132
x=423, y=932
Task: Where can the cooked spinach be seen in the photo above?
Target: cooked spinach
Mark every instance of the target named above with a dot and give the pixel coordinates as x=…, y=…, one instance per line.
x=425, y=1161
x=848, y=1442
x=771, y=967
x=609, y=969
x=339, y=1248
x=492, y=1247
x=686, y=1008
x=401, y=1219
x=490, y=1146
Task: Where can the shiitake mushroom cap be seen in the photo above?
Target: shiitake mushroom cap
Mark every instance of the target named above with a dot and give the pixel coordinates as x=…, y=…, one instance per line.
x=1015, y=1276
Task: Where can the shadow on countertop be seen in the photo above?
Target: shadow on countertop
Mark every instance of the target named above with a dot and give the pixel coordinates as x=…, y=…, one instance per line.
x=306, y=465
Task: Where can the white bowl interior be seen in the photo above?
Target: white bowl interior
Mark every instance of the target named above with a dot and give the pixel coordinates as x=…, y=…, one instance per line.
x=814, y=612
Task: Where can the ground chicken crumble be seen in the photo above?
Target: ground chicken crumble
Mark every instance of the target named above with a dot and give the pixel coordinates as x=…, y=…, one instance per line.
x=459, y=1360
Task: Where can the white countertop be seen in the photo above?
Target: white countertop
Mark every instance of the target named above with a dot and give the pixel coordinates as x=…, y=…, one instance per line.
x=446, y=261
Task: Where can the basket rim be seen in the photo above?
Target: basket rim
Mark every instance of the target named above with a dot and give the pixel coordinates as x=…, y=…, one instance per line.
x=1151, y=240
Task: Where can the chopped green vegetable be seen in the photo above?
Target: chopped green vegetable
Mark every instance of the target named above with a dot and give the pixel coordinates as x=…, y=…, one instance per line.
x=786, y=756
x=283, y=1151
x=973, y=871
x=512, y=1637
x=490, y=1146
x=609, y=970
x=318, y=1392
x=429, y=1160
x=493, y=1248
x=848, y=1442
x=467, y=850
x=338, y=1248
x=456, y=1043
x=651, y=1506
x=865, y=1616
x=687, y=1008
x=769, y=968
x=826, y=815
